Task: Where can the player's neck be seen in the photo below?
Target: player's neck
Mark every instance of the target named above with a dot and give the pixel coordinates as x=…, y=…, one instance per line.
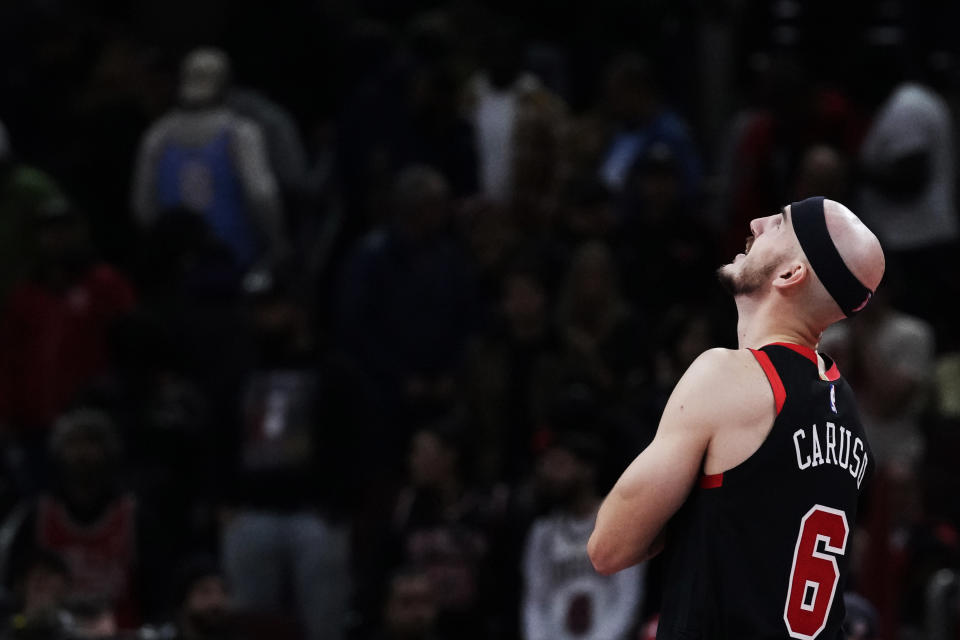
x=760, y=323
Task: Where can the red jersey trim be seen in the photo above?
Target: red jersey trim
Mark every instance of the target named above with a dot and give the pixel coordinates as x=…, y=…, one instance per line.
x=831, y=374
x=776, y=384
x=712, y=481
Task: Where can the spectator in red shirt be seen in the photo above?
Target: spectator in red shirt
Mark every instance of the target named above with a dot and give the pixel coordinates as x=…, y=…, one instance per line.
x=54, y=332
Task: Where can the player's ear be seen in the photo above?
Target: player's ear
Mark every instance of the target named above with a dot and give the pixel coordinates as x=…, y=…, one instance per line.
x=791, y=274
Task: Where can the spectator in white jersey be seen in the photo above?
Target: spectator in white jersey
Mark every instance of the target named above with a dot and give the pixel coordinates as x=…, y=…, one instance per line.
x=205, y=157
x=564, y=598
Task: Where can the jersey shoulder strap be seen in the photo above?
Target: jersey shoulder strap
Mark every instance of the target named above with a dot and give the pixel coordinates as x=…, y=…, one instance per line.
x=773, y=377
x=787, y=365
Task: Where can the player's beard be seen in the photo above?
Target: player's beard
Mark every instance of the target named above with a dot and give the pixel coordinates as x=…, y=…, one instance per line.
x=748, y=280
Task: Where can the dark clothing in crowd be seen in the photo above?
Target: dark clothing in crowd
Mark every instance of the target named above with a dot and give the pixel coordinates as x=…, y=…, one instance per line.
x=406, y=309
x=509, y=382
x=297, y=439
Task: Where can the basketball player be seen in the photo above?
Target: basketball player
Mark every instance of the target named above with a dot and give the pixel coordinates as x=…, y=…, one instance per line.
x=760, y=458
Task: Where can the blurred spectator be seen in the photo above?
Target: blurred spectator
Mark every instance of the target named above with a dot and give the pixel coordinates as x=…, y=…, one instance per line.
x=564, y=597
x=941, y=480
x=317, y=231
x=366, y=119
x=906, y=544
x=285, y=149
x=509, y=374
x=661, y=240
x=179, y=364
x=648, y=631
x=587, y=211
x=908, y=159
x=445, y=526
x=948, y=386
x=789, y=113
x=410, y=610
x=401, y=108
x=434, y=132
x=492, y=101
x=23, y=191
x=54, y=333
x=202, y=602
x=45, y=584
x=861, y=622
x=286, y=532
x=638, y=117
x=908, y=194
x=582, y=148
x=90, y=520
x=604, y=339
x=125, y=86
x=181, y=257
x=488, y=231
x=40, y=589
x=823, y=172
x=518, y=121
x=91, y=618
x=407, y=303
x=205, y=157
x=888, y=357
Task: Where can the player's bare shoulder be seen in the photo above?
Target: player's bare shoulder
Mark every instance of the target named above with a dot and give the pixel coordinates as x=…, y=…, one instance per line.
x=727, y=376
x=741, y=405
x=724, y=387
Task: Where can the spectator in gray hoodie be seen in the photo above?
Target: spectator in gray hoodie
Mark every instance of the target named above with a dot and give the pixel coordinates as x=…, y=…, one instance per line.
x=205, y=157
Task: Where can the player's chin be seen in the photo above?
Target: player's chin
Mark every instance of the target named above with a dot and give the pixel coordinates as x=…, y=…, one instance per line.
x=727, y=275
x=730, y=267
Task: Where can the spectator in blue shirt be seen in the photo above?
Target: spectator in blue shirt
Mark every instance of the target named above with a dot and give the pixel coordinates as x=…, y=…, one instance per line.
x=639, y=118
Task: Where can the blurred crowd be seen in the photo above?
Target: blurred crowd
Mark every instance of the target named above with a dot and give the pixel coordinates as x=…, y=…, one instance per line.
x=336, y=320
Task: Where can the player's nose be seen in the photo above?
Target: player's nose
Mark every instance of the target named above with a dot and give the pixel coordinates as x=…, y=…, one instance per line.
x=759, y=225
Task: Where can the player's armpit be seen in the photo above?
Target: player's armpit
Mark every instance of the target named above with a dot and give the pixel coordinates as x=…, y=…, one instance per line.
x=658, y=481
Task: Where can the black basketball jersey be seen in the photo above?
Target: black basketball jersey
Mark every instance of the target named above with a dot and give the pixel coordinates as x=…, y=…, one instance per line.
x=760, y=552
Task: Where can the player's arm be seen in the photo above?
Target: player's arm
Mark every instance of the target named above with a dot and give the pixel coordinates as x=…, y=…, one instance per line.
x=658, y=481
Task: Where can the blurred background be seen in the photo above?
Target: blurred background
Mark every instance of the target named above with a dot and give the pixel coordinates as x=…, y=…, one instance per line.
x=335, y=320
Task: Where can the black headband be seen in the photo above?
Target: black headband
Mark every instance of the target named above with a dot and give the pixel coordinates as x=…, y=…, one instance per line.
x=810, y=225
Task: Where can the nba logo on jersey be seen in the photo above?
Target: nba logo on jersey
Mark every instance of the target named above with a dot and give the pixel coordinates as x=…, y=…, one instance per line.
x=833, y=398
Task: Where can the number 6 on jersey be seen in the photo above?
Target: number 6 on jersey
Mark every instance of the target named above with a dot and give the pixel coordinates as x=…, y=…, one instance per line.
x=814, y=574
